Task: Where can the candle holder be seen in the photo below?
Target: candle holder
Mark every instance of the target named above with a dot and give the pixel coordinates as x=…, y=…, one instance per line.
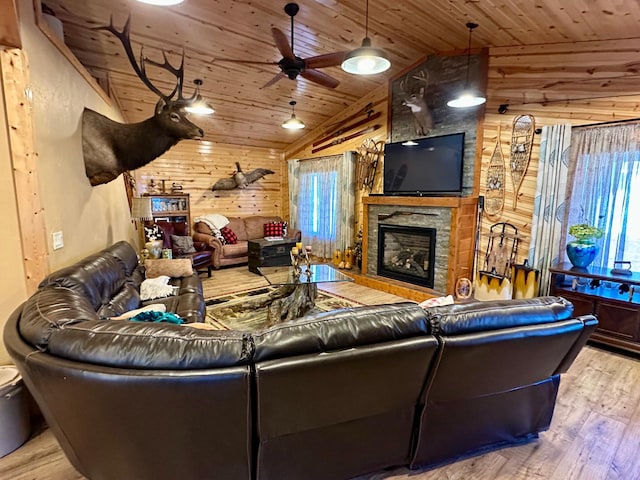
x=300, y=257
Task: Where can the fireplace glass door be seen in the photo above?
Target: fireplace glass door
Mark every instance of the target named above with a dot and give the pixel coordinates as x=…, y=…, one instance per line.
x=407, y=253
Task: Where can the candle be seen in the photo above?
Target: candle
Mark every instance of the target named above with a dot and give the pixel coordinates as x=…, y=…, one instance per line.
x=294, y=250
x=299, y=245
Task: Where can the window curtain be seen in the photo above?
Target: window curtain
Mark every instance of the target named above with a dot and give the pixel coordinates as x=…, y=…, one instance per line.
x=322, y=199
x=550, y=200
x=605, y=166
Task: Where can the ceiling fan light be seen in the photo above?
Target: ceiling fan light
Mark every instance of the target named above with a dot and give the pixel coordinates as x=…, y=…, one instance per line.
x=366, y=60
x=293, y=123
x=162, y=3
x=467, y=98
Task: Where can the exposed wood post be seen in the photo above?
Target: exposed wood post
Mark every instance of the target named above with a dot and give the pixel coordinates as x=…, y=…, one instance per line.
x=14, y=69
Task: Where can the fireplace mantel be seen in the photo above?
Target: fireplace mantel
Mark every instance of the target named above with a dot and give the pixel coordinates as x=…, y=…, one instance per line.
x=461, y=226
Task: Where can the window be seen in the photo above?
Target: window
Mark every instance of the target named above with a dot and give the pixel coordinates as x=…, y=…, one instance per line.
x=605, y=171
x=318, y=200
x=321, y=201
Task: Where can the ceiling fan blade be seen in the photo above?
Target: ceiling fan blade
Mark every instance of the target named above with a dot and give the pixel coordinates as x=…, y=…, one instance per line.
x=253, y=62
x=327, y=60
x=282, y=43
x=320, y=78
x=274, y=80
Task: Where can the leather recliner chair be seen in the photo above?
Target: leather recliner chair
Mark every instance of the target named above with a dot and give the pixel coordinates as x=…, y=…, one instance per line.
x=201, y=258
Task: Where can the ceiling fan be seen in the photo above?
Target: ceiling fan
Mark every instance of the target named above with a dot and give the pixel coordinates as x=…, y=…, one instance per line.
x=291, y=65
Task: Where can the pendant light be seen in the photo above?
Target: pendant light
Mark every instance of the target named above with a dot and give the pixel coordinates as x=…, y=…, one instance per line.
x=366, y=60
x=469, y=97
x=199, y=106
x=293, y=123
x=162, y=3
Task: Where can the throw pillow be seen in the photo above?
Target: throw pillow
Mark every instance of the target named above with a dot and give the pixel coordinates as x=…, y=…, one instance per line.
x=152, y=232
x=157, y=287
x=182, y=244
x=274, y=229
x=229, y=237
x=177, y=267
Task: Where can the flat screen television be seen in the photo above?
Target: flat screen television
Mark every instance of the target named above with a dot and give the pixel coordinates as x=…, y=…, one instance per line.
x=425, y=167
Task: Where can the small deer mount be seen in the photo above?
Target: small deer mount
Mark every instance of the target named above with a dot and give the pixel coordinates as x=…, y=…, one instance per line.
x=413, y=89
x=110, y=148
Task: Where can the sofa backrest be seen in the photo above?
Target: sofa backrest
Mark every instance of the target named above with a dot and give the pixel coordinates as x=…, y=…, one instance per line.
x=237, y=226
x=348, y=380
x=497, y=346
x=98, y=277
x=255, y=225
x=62, y=322
x=339, y=329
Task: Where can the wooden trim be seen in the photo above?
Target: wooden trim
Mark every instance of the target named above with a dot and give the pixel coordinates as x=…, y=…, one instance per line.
x=14, y=69
x=9, y=26
x=450, y=202
x=67, y=53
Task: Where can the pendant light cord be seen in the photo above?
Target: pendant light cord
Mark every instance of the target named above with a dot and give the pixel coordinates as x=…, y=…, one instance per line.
x=470, y=26
x=366, y=19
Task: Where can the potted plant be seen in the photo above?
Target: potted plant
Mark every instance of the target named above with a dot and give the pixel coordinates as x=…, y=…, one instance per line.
x=583, y=250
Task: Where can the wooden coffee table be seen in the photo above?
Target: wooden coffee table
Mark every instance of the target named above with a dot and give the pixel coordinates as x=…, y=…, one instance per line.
x=297, y=294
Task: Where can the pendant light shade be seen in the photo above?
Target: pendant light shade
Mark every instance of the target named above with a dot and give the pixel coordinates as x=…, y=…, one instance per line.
x=366, y=60
x=469, y=97
x=162, y=3
x=293, y=123
x=199, y=106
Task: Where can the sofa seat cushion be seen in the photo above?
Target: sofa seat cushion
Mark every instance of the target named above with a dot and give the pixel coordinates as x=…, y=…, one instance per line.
x=239, y=249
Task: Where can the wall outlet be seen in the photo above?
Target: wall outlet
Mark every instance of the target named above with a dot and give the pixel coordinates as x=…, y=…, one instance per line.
x=58, y=240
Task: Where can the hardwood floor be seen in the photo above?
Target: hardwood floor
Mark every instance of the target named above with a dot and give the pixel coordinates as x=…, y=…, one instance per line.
x=595, y=433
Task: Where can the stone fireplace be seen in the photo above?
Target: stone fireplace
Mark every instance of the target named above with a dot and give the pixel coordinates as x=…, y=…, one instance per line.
x=450, y=219
x=407, y=253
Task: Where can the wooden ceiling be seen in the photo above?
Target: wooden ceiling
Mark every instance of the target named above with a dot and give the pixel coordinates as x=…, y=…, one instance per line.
x=246, y=114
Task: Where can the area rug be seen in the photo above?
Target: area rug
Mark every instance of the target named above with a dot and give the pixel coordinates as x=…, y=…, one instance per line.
x=246, y=310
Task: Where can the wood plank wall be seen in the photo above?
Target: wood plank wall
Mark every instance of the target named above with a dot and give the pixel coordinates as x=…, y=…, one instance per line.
x=198, y=165
x=576, y=83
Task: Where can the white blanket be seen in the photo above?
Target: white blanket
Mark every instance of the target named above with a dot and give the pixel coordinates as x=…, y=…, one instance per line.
x=156, y=287
x=214, y=221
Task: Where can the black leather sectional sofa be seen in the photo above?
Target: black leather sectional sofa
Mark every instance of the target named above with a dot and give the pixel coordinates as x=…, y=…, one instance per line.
x=330, y=396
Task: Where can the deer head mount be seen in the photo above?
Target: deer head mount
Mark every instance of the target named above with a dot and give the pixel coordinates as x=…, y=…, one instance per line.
x=414, y=95
x=111, y=148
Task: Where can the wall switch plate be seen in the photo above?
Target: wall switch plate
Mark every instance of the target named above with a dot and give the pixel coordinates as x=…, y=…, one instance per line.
x=58, y=240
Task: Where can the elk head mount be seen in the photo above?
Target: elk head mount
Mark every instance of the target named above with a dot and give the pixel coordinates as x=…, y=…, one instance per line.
x=111, y=148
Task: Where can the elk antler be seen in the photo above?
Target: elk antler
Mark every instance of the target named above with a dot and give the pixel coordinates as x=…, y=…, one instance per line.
x=124, y=37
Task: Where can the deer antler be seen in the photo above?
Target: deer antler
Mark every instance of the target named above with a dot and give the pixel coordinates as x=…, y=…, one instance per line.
x=422, y=77
x=140, y=69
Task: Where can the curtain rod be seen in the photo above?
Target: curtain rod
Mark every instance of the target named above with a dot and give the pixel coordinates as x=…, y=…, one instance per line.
x=610, y=122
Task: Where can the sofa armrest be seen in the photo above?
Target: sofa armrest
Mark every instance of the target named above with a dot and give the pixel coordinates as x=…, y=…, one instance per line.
x=211, y=242
x=200, y=246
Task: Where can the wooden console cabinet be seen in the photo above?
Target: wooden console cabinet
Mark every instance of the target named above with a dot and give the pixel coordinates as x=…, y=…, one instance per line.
x=614, y=299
